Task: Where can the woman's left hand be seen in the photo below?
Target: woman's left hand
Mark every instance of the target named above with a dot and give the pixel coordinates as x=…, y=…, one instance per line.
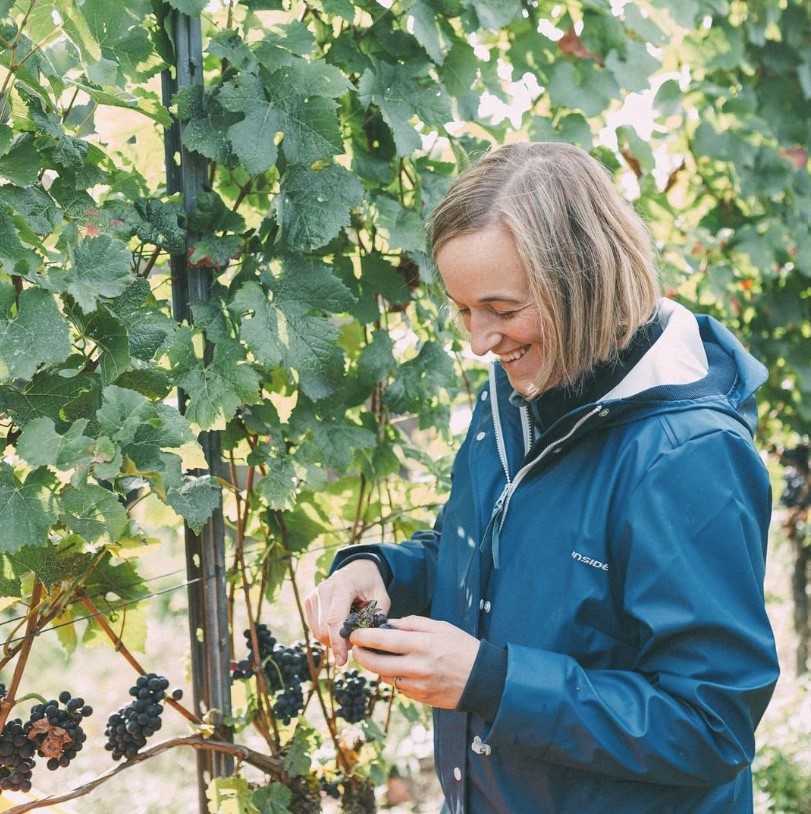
x=430, y=661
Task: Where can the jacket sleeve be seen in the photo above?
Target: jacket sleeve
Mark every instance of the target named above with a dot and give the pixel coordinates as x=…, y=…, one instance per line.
x=690, y=540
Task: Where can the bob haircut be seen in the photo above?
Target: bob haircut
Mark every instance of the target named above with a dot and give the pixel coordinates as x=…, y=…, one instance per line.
x=587, y=254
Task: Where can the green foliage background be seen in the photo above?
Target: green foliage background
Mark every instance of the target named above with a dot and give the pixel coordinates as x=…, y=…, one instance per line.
x=323, y=358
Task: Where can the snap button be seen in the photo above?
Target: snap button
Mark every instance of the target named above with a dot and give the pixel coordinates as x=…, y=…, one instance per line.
x=604, y=412
x=480, y=436
x=457, y=773
x=481, y=604
x=479, y=747
x=556, y=451
x=487, y=606
x=485, y=394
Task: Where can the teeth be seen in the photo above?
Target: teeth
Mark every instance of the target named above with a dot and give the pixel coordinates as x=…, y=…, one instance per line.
x=511, y=357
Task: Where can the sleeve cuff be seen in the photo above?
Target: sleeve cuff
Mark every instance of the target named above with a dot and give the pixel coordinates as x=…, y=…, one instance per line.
x=382, y=565
x=485, y=686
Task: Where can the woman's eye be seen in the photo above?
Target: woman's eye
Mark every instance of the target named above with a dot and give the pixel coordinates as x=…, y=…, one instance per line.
x=505, y=314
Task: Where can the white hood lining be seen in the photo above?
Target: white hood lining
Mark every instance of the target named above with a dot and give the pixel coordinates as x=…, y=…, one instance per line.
x=677, y=357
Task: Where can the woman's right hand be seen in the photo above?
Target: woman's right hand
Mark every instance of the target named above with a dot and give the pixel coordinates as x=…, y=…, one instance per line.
x=330, y=603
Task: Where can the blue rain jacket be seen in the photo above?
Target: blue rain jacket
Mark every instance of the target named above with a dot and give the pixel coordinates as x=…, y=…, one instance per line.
x=619, y=558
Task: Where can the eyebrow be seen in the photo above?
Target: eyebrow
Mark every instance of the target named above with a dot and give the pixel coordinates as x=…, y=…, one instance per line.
x=494, y=298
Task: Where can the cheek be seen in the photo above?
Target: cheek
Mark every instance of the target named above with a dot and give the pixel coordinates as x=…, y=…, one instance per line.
x=530, y=331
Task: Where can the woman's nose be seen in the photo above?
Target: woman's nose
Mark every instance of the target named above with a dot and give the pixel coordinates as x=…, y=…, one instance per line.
x=484, y=334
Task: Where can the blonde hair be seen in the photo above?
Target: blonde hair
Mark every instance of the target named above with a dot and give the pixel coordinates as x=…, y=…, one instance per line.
x=587, y=254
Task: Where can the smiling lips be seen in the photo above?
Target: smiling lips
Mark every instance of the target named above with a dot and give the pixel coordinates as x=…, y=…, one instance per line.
x=515, y=355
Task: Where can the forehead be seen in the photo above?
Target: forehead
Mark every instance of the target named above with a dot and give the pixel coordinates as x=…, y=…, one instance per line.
x=483, y=266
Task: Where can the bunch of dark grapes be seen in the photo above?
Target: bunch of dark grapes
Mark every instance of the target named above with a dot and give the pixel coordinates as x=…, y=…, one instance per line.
x=53, y=731
x=266, y=641
x=56, y=730
x=283, y=664
x=364, y=615
x=285, y=667
x=289, y=703
x=354, y=695
x=128, y=729
x=16, y=757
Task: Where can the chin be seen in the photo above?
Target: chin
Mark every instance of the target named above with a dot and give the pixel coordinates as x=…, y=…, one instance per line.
x=529, y=390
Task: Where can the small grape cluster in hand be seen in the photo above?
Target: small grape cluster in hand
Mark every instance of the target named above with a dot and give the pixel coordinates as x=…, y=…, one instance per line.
x=285, y=667
x=364, y=614
x=128, y=729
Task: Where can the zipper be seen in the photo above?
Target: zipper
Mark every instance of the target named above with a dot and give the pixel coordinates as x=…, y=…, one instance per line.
x=493, y=530
x=522, y=473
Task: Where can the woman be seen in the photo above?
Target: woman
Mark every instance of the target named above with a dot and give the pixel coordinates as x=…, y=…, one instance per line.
x=587, y=616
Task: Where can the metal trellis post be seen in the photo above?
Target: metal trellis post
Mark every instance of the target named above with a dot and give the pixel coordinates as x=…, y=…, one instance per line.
x=205, y=552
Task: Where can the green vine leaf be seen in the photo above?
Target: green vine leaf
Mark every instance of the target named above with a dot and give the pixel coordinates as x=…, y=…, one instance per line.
x=253, y=138
x=279, y=486
x=49, y=563
x=64, y=399
x=284, y=44
x=93, y=513
x=232, y=795
x=37, y=334
x=19, y=162
x=313, y=205
x=400, y=93
x=495, y=14
x=15, y=258
x=275, y=798
x=195, y=500
x=41, y=445
x=191, y=8
x=100, y=268
x=298, y=757
x=582, y=85
x=27, y=508
x=219, y=388
x=205, y=122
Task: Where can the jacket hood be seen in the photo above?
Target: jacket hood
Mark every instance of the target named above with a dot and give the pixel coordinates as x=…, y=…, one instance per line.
x=695, y=358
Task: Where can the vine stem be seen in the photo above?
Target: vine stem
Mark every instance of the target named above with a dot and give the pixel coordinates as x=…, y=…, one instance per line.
x=266, y=763
x=25, y=649
x=124, y=650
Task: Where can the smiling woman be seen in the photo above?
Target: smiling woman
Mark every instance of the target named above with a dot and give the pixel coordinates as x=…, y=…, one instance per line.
x=545, y=220
x=587, y=615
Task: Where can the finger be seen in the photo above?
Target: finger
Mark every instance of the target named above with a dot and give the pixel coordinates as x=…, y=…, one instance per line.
x=416, y=624
x=340, y=646
x=312, y=610
x=386, y=640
